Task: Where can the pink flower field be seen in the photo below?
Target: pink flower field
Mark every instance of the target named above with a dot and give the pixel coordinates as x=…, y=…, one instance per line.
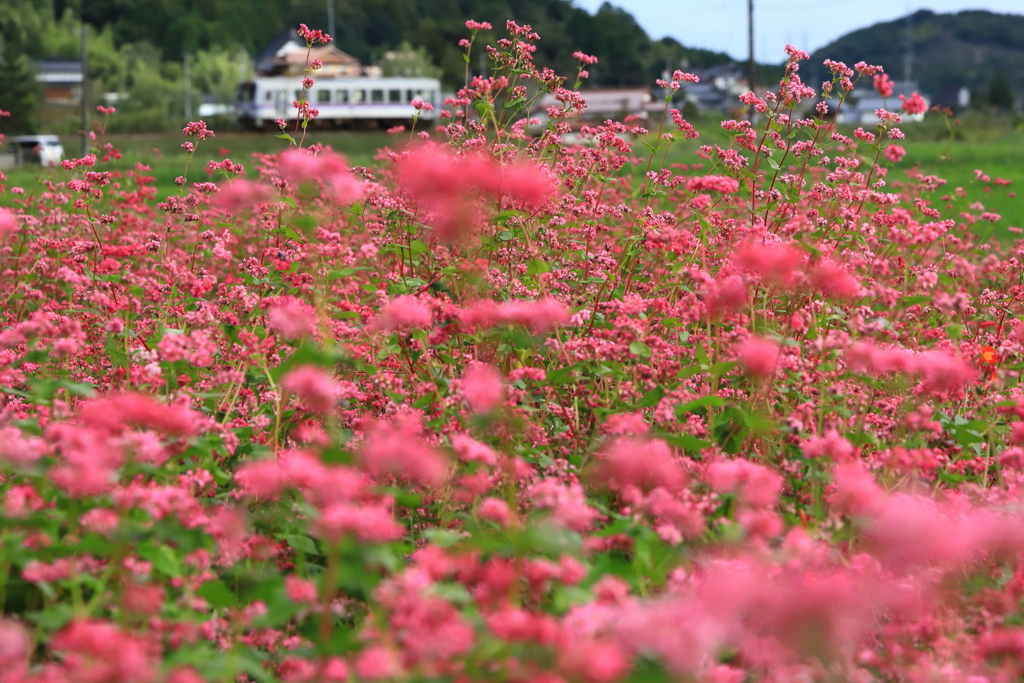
x=501, y=408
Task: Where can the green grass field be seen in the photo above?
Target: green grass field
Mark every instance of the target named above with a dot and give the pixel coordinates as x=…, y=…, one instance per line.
x=992, y=145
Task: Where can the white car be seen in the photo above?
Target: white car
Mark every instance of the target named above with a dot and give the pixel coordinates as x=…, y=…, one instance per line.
x=44, y=150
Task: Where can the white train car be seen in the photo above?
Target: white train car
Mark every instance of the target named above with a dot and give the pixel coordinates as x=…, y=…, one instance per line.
x=341, y=101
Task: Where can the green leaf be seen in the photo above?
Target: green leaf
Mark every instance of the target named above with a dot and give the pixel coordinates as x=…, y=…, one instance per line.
x=217, y=594
x=442, y=538
x=697, y=404
x=730, y=428
x=687, y=442
x=303, y=543
x=289, y=201
x=638, y=348
x=418, y=247
x=52, y=618
x=163, y=558
x=538, y=266
x=651, y=398
x=504, y=235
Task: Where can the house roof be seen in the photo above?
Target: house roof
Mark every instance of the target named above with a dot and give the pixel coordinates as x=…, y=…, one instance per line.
x=58, y=71
x=287, y=50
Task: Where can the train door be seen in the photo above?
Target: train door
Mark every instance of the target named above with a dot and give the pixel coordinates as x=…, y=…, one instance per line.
x=281, y=102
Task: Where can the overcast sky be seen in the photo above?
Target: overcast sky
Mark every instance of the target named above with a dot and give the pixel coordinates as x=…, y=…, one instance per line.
x=807, y=24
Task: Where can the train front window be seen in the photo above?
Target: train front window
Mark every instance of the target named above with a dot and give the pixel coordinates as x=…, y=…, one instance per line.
x=269, y=96
x=376, y=96
x=246, y=92
x=341, y=96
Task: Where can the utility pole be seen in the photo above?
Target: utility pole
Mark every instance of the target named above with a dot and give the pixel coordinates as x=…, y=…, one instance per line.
x=188, y=88
x=330, y=17
x=750, y=51
x=85, y=92
x=908, y=54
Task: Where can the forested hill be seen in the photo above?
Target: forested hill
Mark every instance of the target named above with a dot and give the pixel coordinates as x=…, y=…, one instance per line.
x=365, y=28
x=973, y=48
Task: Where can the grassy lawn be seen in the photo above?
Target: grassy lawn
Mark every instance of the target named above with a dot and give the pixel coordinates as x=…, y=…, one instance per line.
x=992, y=145
x=163, y=154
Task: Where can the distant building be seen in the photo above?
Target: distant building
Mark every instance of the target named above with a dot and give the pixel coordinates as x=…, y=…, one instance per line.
x=611, y=103
x=61, y=81
x=719, y=88
x=861, y=103
x=287, y=56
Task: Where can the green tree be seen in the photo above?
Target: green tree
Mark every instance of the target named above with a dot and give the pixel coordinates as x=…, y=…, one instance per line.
x=19, y=91
x=408, y=61
x=1000, y=94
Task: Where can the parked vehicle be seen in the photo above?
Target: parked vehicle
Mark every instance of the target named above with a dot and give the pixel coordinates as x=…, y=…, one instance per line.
x=42, y=150
x=340, y=101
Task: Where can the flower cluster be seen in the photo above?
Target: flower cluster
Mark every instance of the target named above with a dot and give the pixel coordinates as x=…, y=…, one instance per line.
x=516, y=407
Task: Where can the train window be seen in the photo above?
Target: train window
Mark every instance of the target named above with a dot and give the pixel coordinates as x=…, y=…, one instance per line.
x=376, y=95
x=341, y=96
x=270, y=96
x=395, y=96
x=298, y=95
x=358, y=96
x=409, y=97
x=247, y=92
x=323, y=96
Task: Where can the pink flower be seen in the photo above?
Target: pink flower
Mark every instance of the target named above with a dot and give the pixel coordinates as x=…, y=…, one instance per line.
x=726, y=295
x=368, y=523
x=396, y=448
x=290, y=316
x=316, y=388
x=482, y=387
x=18, y=449
x=759, y=356
x=239, y=194
x=834, y=281
x=330, y=168
x=336, y=670
x=496, y=510
x=832, y=445
x=856, y=492
x=944, y=372
x=538, y=316
x=757, y=486
x=8, y=222
x=140, y=410
x=470, y=450
x=403, y=313
x=883, y=85
x=594, y=661
x=98, y=651
x=300, y=590
x=914, y=104
x=774, y=263
x=894, y=153
x=198, y=130
x=377, y=663
x=14, y=645
x=712, y=183
x=629, y=461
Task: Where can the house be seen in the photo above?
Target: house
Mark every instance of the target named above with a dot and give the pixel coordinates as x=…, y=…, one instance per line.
x=610, y=103
x=61, y=81
x=862, y=102
x=287, y=55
